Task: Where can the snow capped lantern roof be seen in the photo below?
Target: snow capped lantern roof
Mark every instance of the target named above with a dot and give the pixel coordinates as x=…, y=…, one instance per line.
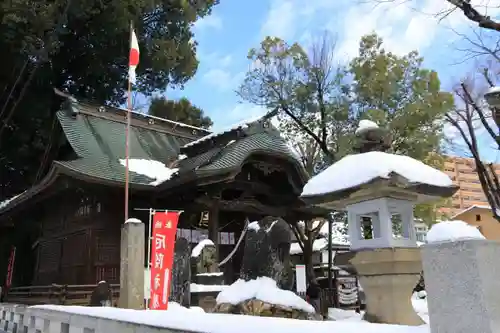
x=365, y=125
x=375, y=174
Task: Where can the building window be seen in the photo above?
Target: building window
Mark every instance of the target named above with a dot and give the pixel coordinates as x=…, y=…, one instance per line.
x=478, y=217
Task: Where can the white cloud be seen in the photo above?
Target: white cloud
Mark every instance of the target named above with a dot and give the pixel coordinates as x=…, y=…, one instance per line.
x=208, y=22
x=237, y=114
x=222, y=79
x=216, y=59
x=286, y=17
x=404, y=25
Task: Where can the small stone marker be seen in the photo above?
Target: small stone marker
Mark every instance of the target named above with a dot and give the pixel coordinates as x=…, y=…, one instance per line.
x=101, y=296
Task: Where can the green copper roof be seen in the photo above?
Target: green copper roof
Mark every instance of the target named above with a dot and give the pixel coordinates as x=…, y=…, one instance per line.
x=100, y=145
x=234, y=154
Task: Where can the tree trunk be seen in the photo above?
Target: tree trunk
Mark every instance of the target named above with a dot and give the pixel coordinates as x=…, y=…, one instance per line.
x=308, y=261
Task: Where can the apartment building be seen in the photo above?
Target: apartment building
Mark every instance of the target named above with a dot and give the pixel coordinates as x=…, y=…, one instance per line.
x=462, y=172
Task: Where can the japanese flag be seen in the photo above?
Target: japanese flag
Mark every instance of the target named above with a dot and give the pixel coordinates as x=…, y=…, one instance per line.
x=133, y=57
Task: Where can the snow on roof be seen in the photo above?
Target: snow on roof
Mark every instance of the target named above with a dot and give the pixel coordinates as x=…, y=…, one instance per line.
x=133, y=220
x=200, y=288
x=150, y=168
x=318, y=245
x=486, y=207
x=162, y=119
x=493, y=90
x=200, y=246
x=6, y=202
x=254, y=226
x=263, y=289
x=358, y=169
x=240, y=125
x=450, y=231
x=365, y=125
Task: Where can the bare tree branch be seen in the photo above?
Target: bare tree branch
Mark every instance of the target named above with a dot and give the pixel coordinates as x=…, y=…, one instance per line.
x=472, y=14
x=468, y=117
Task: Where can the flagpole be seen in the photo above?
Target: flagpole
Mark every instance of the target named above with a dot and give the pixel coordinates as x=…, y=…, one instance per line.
x=127, y=134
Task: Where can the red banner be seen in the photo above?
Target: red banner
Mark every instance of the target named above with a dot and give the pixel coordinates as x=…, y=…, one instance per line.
x=162, y=257
x=10, y=267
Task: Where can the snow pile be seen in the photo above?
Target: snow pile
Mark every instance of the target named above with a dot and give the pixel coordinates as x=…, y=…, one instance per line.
x=263, y=289
x=450, y=231
x=150, y=168
x=365, y=125
x=194, y=320
x=200, y=246
x=358, y=169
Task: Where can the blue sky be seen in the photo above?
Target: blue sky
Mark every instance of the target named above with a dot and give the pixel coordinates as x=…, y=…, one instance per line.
x=234, y=27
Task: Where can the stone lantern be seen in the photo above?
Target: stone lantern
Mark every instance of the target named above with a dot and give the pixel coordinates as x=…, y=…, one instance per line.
x=492, y=97
x=379, y=191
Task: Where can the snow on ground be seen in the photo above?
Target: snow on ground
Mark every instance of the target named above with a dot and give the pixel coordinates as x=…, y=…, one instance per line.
x=177, y=317
x=200, y=246
x=150, y=168
x=418, y=300
x=264, y=289
x=358, y=169
x=449, y=231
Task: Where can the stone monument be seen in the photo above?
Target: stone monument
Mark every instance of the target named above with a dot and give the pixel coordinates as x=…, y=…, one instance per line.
x=267, y=252
x=462, y=283
x=265, y=265
x=181, y=273
x=379, y=190
x=132, y=265
x=204, y=265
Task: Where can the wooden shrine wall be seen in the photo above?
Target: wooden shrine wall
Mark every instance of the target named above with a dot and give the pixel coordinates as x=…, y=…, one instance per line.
x=79, y=241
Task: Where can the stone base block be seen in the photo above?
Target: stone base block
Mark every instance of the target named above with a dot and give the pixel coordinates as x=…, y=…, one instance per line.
x=388, y=277
x=462, y=280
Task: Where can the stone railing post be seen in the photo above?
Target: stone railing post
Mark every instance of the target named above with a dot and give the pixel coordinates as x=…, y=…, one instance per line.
x=132, y=265
x=462, y=283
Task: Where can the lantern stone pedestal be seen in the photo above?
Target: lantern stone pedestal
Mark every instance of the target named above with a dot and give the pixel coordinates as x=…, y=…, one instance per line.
x=388, y=276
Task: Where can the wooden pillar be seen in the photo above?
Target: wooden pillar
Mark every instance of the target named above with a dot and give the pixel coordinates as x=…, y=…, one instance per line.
x=90, y=259
x=213, y=229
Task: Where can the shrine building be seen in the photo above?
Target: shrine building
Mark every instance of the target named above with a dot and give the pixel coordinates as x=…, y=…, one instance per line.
x=66, y=228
